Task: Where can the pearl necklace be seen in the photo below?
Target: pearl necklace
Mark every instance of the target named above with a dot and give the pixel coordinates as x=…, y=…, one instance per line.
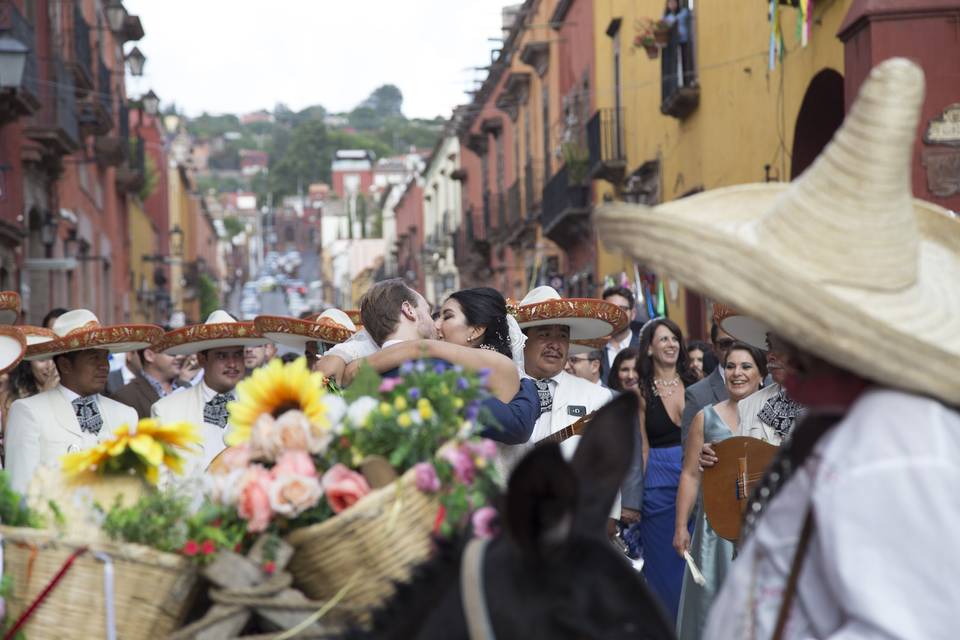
x=665, y=388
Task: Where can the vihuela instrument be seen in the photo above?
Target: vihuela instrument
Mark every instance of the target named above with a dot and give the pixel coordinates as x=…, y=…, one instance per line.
x=569, y=431
x=727, y=485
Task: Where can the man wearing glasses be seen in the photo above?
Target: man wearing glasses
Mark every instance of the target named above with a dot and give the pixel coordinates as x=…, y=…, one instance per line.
x=629, y=337
x=586, y=366
x=712, y=388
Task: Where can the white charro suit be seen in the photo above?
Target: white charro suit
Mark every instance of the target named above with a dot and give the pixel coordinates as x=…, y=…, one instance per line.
x=44, y=427
x=187, y=406
x=573, y=398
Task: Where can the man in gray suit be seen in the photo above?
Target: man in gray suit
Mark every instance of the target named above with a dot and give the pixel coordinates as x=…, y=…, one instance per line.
x=712, y=389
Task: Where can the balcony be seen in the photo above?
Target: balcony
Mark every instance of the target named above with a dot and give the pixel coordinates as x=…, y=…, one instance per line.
x=514, y=214
x=96, y=115
x=679, y=89
x=112, y=149
x=132, y=175
x=80, y=61
x=471, y=254
x=25, y=99
x=606, y=145
x=565, y=214
x=55, y=125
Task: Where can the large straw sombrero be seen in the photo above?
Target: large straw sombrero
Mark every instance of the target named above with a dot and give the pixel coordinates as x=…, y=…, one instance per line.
x=588, y=318
x=9, y=307
x=843, y=262
x=79, y=330
x=220, y=330
x=12, y=347
x=333, y=326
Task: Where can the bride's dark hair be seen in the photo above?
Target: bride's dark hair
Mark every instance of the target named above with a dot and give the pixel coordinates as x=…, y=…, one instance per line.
x=485, y=306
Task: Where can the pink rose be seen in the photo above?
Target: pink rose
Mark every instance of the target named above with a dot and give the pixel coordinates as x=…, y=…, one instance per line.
x=343, y=487
x=291, y=495
x=265, y=438
x=484, y=522
x=233, y=458
x=462, y=462
x=483, y=448
x=426, y=478
x=293, y=431
x=294, y=463
x=254, y=502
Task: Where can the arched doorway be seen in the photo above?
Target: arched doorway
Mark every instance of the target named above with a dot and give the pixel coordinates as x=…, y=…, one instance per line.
x=820, y=115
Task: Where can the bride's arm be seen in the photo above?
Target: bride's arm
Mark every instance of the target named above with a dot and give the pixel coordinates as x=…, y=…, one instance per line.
x=504, y=381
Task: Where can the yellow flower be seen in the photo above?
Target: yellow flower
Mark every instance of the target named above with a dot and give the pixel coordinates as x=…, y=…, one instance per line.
x=355, y=457
x=425, y=408
x=275, y=389
x=400, y=403
x=154, y=444
x=404, y=420
x=458, y=403
x=480, y=462
x=385, y=409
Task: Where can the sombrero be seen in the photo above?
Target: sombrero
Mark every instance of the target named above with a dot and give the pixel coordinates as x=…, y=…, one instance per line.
x=741, y=327
x=333, y=326
x=220, y=330
x=843, y=262
x=588, y=318
x=79, y=330
x=9, y=307
x=12, y=347
x=36, y=335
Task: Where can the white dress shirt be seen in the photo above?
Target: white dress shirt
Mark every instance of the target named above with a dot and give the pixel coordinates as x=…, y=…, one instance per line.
x=883, y=484
x=613, y=349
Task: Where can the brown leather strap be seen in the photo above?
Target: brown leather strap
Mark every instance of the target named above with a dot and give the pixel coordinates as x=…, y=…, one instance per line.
x=791, y=589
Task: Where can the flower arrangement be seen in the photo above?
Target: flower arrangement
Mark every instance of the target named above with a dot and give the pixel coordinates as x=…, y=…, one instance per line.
x=651, y=34
x=300, y=454
x=140, y=450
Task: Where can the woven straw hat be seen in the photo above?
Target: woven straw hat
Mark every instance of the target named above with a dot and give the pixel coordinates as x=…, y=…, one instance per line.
x=588, y=318
x=79, y=330
x=220, y=330
x=9, y=307
x=843, y=262
x=333, y=326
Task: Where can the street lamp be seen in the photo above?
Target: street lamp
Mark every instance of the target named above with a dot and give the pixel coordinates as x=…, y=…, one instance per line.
x=136, y=60
x=116, y=15
x=13, y=59
x=151, y=103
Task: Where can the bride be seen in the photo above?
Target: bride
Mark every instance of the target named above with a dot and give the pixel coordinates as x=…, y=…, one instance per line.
x=476, y=332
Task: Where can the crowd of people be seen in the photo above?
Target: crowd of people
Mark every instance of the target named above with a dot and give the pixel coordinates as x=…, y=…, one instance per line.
x=857, y=434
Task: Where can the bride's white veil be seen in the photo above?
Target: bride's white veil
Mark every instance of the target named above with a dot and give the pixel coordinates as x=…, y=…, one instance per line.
x=517, y=341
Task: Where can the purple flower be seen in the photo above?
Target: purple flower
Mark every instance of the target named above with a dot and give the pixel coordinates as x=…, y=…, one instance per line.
x=472, y=411
x=414, y=393
x=406, y=367
x=439, y=368
x=463, y=384
x=389, y=384
x=484, y=521
x=462, y=462
x=483, y=448
x=484, y=374
x=426, y=478
x=420, y=366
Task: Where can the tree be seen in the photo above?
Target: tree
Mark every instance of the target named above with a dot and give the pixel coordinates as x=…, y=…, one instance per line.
x=386, y=101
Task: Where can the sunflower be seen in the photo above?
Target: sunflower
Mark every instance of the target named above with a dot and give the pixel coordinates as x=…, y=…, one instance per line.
x=276, y=389
x=143, y=448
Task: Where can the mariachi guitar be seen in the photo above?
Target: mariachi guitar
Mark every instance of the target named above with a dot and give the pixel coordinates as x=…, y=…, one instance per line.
x=567, y=432
x=727, y=484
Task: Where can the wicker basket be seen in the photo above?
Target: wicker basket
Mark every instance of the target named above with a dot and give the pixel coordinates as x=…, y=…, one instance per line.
x=153, y=591
x=378, y=540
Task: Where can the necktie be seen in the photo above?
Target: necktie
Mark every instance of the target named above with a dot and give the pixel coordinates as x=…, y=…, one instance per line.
x=88, y=414
x=546, y=397
x=215, y=411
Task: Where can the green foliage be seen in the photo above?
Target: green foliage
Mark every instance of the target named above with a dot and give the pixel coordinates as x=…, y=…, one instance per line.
x=209, y=126
x=163, y=520
x=13, y=507
x=385, y=101
x=233, y=226
x=577, y=161
x=151, y=177
x=209, y=298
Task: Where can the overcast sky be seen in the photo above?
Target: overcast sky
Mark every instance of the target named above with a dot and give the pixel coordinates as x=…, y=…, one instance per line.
x=241, y=55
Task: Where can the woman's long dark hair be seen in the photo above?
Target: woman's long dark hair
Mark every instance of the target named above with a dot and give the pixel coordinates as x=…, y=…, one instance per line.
x=645, y=361
x=21, y=382
x=486, y=307
x=613, y=377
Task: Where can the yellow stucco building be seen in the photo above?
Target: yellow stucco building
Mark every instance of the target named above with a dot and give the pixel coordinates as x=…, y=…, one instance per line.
x=739, y=121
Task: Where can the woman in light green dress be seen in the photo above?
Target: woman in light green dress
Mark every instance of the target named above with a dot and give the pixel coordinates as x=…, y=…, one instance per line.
x=744, y=370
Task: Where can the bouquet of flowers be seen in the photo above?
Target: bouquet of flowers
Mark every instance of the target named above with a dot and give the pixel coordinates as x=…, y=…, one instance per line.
x=301, y=455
